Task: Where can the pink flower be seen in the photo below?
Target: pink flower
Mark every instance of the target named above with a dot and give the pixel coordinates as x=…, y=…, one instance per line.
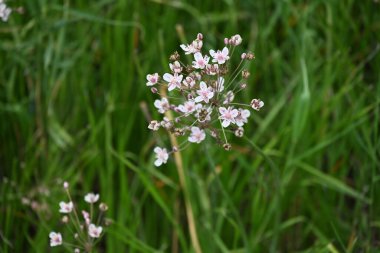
x=212, y=69
x=175, y=67
x=4, y=11
x=220, y=56
x=200, y=61
x=257, y=104
x=152, y=79
x=162, y=105
x=91, y=198
x=86, y=217
x=229, y=97
x=55, y=239
x=242, y=117
x=174, y=81
x=188, y=107
x=228, y=115
x=235, y=40
x=189, y=82
x=94, y=231
x=197, y=135
x=66, y=207
x=161, y=156
x=205, y=93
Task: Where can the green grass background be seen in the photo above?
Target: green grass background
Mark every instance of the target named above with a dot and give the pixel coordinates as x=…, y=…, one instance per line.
x=306, y=178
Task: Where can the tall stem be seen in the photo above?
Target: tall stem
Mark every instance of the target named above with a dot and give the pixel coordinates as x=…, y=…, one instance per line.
x=183, y=185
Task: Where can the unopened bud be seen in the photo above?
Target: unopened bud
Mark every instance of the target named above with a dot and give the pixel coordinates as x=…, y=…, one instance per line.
x=243, y=56
x=200, y=36
x=154, y=90
x=65, y=185
x=175, y=149
x=103, y=207
x=65, y=219
x=226, y=41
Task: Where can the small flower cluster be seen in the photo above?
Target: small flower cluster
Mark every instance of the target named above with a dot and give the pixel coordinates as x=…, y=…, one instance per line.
x=88, y=231
x=202, y=96
x=5, y=11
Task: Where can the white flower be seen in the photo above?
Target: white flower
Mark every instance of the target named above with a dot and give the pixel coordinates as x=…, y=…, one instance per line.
x=229, y=97
x=91, y=197
x=175, y=67
x=162, y=105
x=189, y=82
x=55, y=239
x=161, y=156
x=77, y=250
x=4, y=11
x=166, y=123
x=227, y=115
x=188, y=107
x=174, y=81
x=220, y=84
x=236, y=40
x=66, y=207
x=154, y=125
x=152, y=79
x=220, y=56
x=94, y=231
x=205, y=93
x=257, y=104
x=197, y=135
x=242, y=117
x=65, y=184
x=200, y=61
x=189, y=49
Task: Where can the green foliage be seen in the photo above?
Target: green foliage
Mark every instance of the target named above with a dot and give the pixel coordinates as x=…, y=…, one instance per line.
x=305, y=179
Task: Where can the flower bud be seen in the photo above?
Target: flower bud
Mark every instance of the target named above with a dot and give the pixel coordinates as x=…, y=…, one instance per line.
x=200, y=36
x=103, y=207
x=65, y=185
x=243, y=56
x=65, y=219
x=154, y=90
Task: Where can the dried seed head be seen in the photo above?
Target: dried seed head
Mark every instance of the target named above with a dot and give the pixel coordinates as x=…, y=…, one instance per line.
x=239, y=132
x=227, y=146
x=250, y=56
x=245, y=74
x=175, y=56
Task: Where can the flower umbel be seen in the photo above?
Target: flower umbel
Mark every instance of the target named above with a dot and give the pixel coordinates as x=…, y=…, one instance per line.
x=201, y=96
x=86, y=231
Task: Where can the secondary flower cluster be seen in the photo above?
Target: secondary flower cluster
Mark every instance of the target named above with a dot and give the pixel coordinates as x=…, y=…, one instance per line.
x=87, y=229
x=4, y=11
x=201, y=96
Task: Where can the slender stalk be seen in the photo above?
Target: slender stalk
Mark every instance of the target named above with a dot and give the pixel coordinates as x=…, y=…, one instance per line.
x=183, y=185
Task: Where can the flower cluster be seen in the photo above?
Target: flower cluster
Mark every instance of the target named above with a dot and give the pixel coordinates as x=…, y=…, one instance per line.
x=4, y=11
x=201, y=96
x=87, y=228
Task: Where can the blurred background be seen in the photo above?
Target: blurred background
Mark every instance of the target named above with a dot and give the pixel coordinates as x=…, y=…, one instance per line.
x=306, y=179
